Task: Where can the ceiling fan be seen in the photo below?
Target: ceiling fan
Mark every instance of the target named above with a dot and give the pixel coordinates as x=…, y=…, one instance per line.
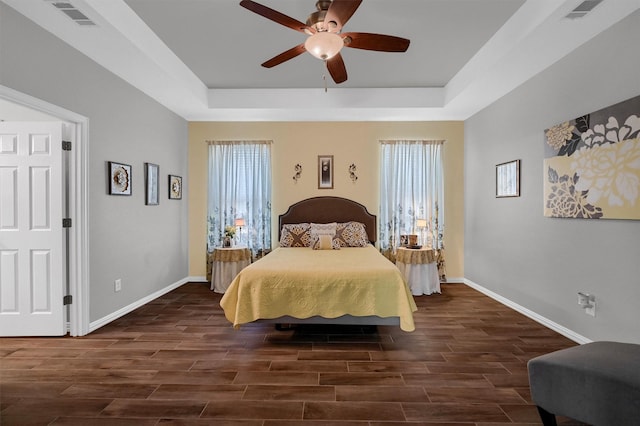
x=326, y=39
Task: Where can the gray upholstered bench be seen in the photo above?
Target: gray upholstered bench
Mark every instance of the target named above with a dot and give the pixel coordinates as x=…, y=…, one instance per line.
x=597, y=383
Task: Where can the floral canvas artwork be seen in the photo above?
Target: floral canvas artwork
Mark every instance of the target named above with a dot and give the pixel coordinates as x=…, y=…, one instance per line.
x=592, y=165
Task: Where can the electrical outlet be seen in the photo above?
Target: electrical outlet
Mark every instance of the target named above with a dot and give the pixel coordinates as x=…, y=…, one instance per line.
x=591, y=310
x=117, y=285
x=587, y=302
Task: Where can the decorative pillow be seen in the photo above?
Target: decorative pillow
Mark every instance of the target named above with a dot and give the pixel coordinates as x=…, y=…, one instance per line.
x=295, y=235
x=324, y=242
x=352, y=234
x=323, y=229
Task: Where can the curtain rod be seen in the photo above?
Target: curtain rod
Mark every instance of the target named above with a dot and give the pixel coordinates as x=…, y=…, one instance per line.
x=238, y=142
x=413, y=141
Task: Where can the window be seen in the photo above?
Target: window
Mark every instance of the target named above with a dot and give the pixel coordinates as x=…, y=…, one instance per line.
x=240, y=188
x=411, y=194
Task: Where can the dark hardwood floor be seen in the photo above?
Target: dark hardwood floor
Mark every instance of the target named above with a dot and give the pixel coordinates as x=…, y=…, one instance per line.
x=177, y=361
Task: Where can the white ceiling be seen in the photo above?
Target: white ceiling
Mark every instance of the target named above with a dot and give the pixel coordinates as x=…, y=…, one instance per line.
x=201, y=58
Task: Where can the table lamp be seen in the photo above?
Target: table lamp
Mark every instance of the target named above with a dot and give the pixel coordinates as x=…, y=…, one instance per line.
x=421, y=224
x=239, y=223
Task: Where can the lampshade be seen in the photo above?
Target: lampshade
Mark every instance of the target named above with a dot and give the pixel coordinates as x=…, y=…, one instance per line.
x=324, y=45
x=421, y=223
x=239, y=222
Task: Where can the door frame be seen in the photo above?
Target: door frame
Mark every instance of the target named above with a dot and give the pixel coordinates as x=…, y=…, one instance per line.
x=78, y=250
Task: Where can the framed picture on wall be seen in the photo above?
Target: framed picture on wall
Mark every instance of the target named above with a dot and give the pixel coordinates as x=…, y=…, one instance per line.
x=508, y=179
x=119, y=176
x=152, y=172
x=325, y=171
x=175, y=187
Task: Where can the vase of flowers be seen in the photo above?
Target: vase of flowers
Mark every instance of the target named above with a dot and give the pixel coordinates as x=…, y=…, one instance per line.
x=229, y=233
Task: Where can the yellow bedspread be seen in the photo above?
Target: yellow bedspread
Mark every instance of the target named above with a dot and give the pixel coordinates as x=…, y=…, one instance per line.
x=301, y=282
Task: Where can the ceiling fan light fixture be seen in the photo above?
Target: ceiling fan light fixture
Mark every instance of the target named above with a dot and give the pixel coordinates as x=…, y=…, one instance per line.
x=325, y=38
x=324, y=45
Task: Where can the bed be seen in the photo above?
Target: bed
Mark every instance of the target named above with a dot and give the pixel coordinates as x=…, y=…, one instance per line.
x=300, y=285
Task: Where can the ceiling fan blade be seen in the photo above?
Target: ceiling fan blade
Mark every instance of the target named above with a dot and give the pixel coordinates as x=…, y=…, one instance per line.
x=340, y=12
x=336, y=68
x=275, y=16
x=378, y=42
x=285, y=56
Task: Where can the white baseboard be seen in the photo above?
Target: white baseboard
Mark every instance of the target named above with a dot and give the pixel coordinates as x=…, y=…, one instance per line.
x=529, y=313
x=135, y=305
x=516, y=307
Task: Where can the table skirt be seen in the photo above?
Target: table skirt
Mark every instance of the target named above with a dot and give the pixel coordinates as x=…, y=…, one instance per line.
x=422, y=277
x=227, y=263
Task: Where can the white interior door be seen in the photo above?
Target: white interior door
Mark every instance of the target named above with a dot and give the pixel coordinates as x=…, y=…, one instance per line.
x=32, y=255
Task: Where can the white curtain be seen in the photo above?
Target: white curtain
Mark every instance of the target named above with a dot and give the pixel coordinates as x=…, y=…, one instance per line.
x=240, y=188
x=411, y=188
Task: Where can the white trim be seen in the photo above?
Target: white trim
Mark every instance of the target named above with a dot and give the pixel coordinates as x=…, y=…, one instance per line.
x=197, y=279
x=39, y=105
x=79, y=237
x=135, y=305
x=529, y=313
x=78, y=205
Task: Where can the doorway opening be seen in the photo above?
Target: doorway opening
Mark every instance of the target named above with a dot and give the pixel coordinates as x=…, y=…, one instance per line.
x=17, y=106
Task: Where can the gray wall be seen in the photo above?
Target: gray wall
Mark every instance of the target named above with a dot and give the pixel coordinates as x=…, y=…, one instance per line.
x=145, y=246
x=537, y=262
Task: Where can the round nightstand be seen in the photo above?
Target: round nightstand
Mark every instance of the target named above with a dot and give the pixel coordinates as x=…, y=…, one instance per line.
x=227, y=263
x=420, y=269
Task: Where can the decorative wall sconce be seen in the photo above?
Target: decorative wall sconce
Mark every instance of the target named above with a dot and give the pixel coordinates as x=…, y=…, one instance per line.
x=352, y=173
x=298, y=169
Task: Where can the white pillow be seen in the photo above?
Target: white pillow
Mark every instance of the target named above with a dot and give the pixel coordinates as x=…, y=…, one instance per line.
x=323, y=229
x=324, y=242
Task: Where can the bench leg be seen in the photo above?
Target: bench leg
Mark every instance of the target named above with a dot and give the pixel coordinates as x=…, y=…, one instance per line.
x=548, y=419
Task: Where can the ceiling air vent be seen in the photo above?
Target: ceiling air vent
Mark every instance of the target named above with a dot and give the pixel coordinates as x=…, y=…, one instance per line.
x=583, y=9
x=72, y=12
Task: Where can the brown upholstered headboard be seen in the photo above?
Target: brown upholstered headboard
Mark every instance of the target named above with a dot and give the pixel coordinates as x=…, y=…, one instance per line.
x=329, y=209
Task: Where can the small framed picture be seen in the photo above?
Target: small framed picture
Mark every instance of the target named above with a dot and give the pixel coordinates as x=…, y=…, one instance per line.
x=508, y=179
x=325, y=171
x=175, y=187
x=119, y=175
x=152, y=172
x=408, y=240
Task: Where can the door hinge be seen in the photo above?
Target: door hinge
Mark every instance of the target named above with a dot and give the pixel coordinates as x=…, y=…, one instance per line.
x=66, y=145
x=67, y=300
x=66, y=222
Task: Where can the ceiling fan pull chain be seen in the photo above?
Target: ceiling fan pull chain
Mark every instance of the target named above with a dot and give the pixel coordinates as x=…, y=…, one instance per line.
x=324, y=77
